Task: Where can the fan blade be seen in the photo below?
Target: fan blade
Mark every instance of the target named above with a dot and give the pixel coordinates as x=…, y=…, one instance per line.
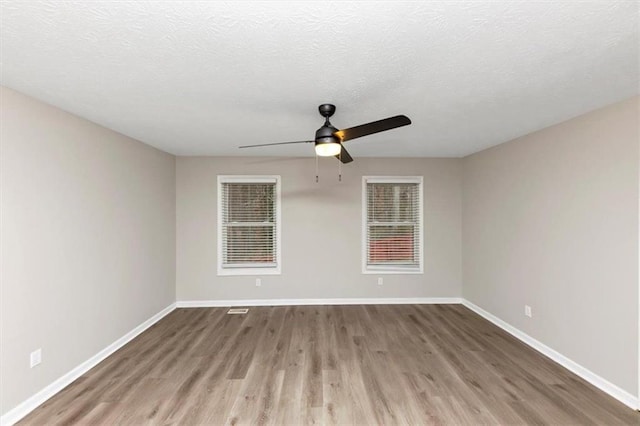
x=277, y=143
x=344, y=156
x=373, y=127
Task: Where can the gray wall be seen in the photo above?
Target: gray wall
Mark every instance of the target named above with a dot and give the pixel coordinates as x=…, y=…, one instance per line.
x=321, y=231
x=551, y=220
x=87, y=240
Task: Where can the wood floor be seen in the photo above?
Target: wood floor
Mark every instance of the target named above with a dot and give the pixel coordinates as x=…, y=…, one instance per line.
x=391, y=364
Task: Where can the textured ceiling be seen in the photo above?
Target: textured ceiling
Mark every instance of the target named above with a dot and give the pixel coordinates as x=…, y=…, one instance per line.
x=202, y=78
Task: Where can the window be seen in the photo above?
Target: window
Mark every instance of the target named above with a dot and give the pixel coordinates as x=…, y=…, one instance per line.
x=248, y=225
x=392, y=224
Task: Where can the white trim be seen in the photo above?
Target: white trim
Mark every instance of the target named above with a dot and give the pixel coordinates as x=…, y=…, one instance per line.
x=381, y=269
x=274, y=270
x=249, y=178
x=392, y=179
x=306, y=302
x=25, y=407
x=237, y=272
x=390, y=271
x=604, y=385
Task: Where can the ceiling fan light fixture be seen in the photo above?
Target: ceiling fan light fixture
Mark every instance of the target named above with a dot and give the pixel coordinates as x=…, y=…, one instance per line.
x=328, y=140
x=327, y=147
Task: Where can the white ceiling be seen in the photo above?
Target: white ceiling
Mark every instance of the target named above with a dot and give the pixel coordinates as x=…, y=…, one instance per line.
x=202, y=78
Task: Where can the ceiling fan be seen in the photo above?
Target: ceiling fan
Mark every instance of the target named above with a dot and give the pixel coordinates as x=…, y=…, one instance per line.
x=328, y=141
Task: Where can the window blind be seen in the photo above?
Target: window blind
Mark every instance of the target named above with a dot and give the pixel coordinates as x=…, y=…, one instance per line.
x=393, y=225
x=249, y=224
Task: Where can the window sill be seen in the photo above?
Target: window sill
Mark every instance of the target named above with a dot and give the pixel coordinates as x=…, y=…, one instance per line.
x=395, y=271
x=226, y=272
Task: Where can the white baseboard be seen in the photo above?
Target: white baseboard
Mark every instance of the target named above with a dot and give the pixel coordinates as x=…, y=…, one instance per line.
x=602, y=384
x=25, y=407
x=293, y=302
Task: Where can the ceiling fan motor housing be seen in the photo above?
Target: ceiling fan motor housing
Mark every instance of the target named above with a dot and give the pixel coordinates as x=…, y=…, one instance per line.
x=325, y=134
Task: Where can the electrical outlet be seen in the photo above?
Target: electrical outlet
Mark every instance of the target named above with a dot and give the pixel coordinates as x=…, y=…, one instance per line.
x=527, y=311
x=380, y=281
x=35, y=358
x=258, y=282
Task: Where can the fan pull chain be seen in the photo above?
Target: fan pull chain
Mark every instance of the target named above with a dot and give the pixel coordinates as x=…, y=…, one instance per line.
x=316, y=168
x=340, y=166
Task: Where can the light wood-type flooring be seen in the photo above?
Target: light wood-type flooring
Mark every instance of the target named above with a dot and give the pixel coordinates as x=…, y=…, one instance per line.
x=298, y=365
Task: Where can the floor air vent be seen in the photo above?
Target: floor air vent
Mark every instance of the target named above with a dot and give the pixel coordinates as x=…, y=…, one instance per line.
x=237, y=311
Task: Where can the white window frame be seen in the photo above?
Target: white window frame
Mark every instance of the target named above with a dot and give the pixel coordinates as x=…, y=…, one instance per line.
x=390, y=269
x=266, y=270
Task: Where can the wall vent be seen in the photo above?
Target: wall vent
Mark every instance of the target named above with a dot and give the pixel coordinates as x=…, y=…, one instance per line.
x=237, y=311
